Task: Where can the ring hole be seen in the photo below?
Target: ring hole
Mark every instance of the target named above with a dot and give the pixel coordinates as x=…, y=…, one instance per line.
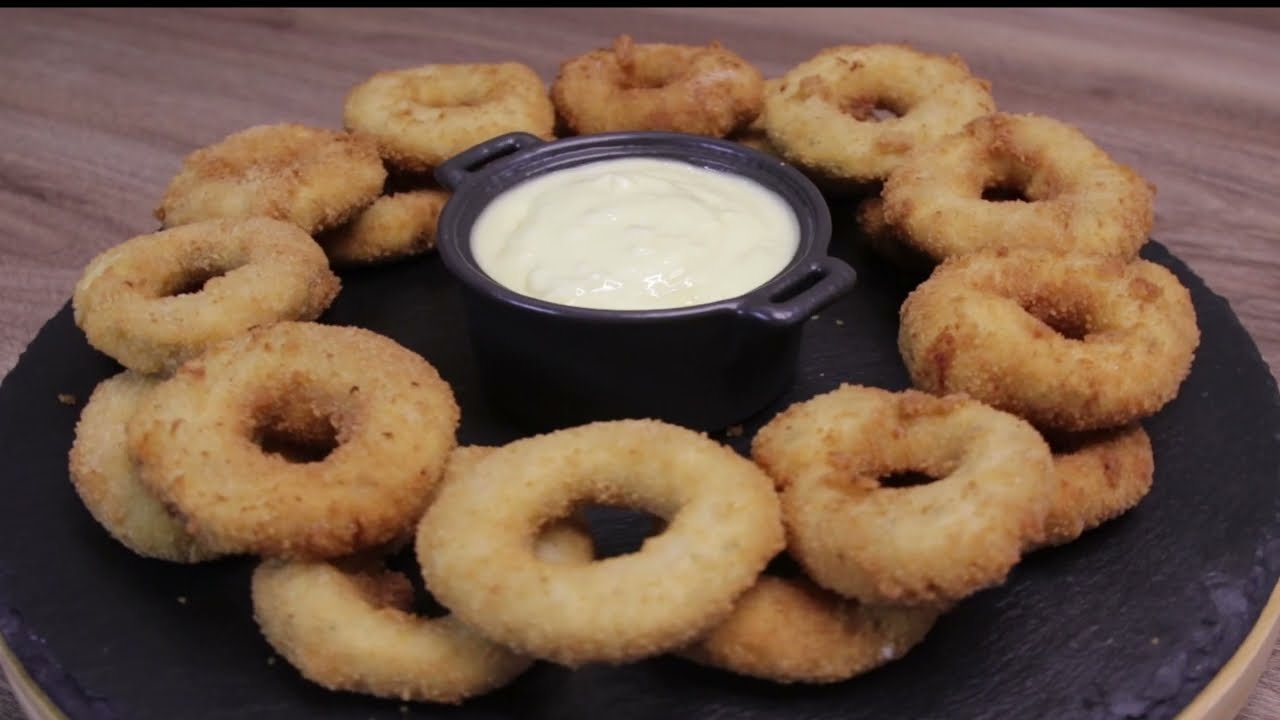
x=434, y=95
x=871, y=109
x=1069, y=322
x=643, y=77
x=298, y=433
x=193, y=282
x=1007, y=177
x=906, y=479
x=1062, y=442
x=408, y=587
x=621, y=530
x=1004, y=192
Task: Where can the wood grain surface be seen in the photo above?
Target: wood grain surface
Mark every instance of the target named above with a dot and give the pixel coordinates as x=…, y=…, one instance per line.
x=99, y=106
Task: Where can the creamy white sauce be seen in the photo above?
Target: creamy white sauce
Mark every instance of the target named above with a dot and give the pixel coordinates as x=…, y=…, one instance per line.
x=635, y=234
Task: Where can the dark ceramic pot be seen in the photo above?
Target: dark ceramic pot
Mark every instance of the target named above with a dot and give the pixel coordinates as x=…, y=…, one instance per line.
x=706, y=367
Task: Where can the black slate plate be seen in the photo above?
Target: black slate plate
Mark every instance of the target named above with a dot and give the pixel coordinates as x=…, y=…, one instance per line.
x=1133, y=620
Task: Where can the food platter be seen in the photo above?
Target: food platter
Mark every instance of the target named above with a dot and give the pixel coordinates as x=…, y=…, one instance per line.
x=1132, y=620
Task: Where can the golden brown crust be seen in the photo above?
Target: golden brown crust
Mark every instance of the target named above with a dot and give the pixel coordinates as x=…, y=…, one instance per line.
x=703, y=90
x=753, y=134
x=343, y=631
x=106, y=478
x=1076, y=197
x=312, y=177
x=157, y=300
x=382, y=414
x=992, y=325
x=394, y=227
x=419, y=117
x=792, y=631
x=918, y=545
x=723, y=528
x=886, y=240
x=1101, y=475
x=822, y=117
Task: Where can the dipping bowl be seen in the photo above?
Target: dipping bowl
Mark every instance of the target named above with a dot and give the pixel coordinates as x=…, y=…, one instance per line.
x=546, y=365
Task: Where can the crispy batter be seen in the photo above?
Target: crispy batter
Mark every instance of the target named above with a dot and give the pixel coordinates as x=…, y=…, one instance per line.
x=394, y=227
x=1068, y=194
x=754, y=134
x=312, y=177
x=792, y=631
x=325, y=624
x=1067, y=341
x=157, y=300
x=1101, y=475
x=351, y=625
x=723, y=528
x=106, y=478
x=918, y=545
x=298, y=440
x=703, y=90
x=419, y=117
x=823, y=117
x=885, y=240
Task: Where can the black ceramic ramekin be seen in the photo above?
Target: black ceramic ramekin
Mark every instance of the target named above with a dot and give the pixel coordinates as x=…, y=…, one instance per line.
x=707, y=367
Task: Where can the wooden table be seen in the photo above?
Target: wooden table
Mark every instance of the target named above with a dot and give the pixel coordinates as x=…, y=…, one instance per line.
x=98, y=107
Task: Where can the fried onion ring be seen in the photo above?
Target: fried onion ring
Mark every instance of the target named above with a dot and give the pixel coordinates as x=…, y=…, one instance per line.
x=823, y=116
x=312, y=177
x=1069, y=342
x=924, y=544
x=884, y=240
x=157, y=300
x=702, y=90
x=792, y=631
x=1070, y=195
x=106, y=478
x=394, y=227
x=723, y=527
x=422, y=116
x=354, y=628
x=298, y=440
x=1101, y=475
x=754, y=134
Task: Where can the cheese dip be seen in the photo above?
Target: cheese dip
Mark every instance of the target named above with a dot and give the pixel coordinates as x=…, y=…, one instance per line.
x=635, y=234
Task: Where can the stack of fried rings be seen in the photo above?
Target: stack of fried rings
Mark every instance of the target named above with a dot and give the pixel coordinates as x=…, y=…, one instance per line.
x=381, y=647
x=281, y=442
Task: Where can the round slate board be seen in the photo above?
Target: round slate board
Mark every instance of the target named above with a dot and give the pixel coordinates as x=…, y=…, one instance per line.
x=1132, y=620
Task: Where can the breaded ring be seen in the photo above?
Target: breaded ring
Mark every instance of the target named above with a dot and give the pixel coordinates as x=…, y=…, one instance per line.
x=924, y=544
x=702, y=90
x=394, y=227
x=564, y=542
x=1101, y=475
x=420, y=117
x=884, y=240
x=822, y=117
x=157, y=300
x=353, y=628
x=723, y=527
x=1069, y=342
x=754, y=135
x=106, y=479
x=373, y=421
x=1076, y=197
x=312, y=177
x=792, y=631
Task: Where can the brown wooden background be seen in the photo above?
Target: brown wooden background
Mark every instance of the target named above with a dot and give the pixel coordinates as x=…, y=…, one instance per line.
x=98, y=107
